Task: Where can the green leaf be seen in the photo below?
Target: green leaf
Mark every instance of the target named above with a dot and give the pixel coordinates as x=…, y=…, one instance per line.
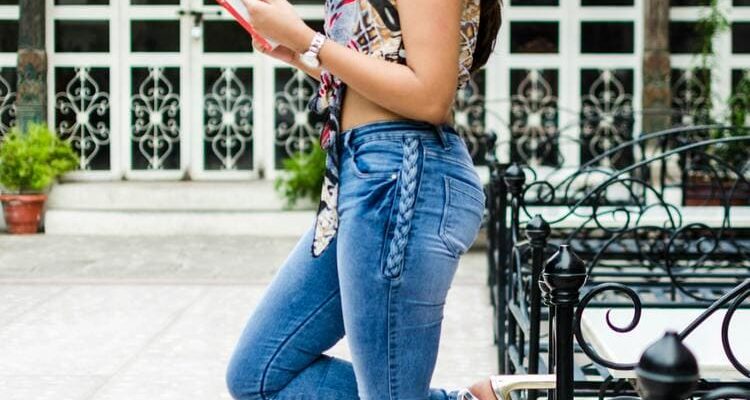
x=302, y=176
x=31, y=161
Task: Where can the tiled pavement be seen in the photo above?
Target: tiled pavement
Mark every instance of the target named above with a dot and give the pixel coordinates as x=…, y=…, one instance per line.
x=156, y=317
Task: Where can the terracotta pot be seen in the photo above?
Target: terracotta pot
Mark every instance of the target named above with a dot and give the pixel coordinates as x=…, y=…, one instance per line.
x=701, y=191
x=23, y=212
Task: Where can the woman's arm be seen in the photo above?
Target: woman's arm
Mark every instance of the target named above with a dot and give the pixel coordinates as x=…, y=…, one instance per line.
x=423, y=89
x=290, y=57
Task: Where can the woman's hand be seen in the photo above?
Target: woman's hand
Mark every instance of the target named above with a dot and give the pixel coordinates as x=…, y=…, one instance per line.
x=288, y=56
x=278, y=20
x=281, y=52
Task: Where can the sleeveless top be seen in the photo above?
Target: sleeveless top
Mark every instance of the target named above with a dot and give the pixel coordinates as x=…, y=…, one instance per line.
x=371, y=27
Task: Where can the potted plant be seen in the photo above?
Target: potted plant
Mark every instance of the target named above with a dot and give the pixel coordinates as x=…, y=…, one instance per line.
x=302, y=177
x=703, y=187
x=729, y=189
x=30, y=162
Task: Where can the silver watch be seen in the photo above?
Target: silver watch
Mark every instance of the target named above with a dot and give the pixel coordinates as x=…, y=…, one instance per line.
x=310, y=57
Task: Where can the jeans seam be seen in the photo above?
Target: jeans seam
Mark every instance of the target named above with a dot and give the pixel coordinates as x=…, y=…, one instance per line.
x=286, y=340
x=392, y=384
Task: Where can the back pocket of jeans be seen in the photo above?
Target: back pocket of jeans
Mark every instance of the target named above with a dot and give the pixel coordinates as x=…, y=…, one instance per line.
x=462, y=215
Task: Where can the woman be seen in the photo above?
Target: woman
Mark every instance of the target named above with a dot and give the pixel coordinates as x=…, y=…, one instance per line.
x=401, y=202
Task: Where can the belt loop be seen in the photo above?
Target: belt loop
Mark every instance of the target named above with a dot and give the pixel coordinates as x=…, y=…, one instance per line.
x=442, y=136
x=345, y=139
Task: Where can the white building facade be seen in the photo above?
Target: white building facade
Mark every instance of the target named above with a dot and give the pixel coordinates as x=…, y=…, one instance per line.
x=171, y=89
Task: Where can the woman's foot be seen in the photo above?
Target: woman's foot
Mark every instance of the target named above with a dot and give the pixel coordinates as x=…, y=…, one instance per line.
x=483, y=390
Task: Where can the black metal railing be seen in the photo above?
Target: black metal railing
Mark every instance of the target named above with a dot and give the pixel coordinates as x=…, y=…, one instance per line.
x=671, y=263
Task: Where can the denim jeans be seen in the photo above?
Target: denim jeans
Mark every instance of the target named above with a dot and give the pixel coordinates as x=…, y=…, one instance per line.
x=410, y=205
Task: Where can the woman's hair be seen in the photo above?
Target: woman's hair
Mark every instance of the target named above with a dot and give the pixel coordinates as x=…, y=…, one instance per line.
x=490, y=19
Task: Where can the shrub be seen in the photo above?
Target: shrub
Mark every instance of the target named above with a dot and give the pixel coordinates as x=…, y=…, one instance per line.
x=302, y=176
x=33, y=160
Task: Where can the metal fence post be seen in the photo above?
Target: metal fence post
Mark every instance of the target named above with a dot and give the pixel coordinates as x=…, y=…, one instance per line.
x=537, y=231
x=515, y=179
x=547, y=301
x=564, y=275
x=497, y=251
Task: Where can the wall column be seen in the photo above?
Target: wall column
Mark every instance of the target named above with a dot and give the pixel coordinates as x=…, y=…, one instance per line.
x=31, y=100
x=657, y=96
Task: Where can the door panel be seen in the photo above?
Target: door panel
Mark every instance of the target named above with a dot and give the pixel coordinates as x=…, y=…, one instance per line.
x=156, y=48
x=223, y=70
x=169, y=90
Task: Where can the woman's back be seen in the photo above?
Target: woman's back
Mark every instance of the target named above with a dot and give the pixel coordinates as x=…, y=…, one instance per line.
x=373, y=27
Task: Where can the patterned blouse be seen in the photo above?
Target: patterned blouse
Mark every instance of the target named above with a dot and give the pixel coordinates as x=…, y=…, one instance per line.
x=371, y=27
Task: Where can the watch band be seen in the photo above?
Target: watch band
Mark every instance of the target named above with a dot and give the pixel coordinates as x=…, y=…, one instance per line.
x=316, y=43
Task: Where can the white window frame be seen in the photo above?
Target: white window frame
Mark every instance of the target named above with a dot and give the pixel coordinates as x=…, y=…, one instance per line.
x=569, y=61
x=9, y=60
x=724, y=62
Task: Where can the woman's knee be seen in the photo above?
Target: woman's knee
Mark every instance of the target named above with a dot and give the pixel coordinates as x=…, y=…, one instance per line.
x=244, y=377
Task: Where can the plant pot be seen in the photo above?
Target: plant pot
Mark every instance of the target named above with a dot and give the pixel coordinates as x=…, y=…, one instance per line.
x=23, y=212
x=702, y=191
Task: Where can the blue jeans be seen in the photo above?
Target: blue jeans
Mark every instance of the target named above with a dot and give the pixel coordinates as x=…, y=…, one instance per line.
x=410, y=205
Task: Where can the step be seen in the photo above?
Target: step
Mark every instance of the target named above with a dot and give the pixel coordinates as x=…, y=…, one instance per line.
x=173, y=208
x=257, y=195
x=128, y=222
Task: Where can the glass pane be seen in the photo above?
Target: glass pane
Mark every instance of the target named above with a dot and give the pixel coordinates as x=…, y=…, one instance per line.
x=534, y=117
x=607, y=37
x=81, y=2
x=607, y=2
x=295, y=127
x=606, y=115
x=8, y=36
x=225, y=36
x=534, y=2
x=7, y=99
x=740, y=36
x=81, y=36
x=8, y=2
x=534, y=37
x=691, y=91
x=684, y=37
x=155, y=118
x=741, y=2
x=680, y=3
x=228, y=119
x=468, y=116
x=155, y=36
x=740, y=102
x=82, y=114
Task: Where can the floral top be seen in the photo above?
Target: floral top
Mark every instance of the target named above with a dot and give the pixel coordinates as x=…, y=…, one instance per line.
x=371, y=27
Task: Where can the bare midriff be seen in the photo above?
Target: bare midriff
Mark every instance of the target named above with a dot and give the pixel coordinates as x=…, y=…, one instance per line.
x=357, y=110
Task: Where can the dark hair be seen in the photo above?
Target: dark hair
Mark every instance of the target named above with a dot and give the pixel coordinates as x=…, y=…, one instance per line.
x=490, y=19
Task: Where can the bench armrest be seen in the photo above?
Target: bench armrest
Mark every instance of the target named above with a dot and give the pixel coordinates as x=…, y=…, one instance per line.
x=503, y=385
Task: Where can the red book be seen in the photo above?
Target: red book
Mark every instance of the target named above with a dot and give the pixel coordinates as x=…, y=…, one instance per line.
x=238, y=10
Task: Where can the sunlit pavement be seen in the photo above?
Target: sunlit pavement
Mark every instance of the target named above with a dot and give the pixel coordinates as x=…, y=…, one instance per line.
x=157, y=317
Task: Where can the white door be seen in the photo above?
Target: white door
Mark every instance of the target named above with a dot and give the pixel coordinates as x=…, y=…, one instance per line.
x=171, y=89
x=223, y=72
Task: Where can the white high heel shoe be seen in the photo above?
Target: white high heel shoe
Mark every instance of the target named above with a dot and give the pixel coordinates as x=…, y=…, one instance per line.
x=504, y=385
x=465, y=394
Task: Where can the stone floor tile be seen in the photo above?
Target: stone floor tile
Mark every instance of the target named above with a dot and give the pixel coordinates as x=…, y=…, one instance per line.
x=89, y=330
x=49, y=387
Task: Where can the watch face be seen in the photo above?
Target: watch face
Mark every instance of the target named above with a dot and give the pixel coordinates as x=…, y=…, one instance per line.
x=310, y=60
